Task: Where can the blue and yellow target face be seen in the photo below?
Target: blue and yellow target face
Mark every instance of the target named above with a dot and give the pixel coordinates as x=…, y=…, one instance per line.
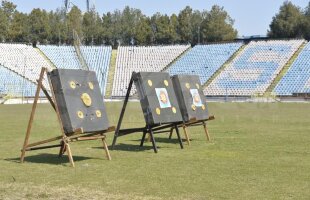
x=163, y=98
x=196, y=97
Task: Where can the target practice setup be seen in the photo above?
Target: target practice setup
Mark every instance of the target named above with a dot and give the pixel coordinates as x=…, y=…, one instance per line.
x=78, y=103
x=168, y=103
x=159, y=105
x=192, y=103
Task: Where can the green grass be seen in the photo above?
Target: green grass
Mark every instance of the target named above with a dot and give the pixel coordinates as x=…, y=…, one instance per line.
x=258, y=151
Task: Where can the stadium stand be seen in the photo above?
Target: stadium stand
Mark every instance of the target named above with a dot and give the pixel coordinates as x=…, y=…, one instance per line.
x=98, y=59
x=254, y=69
x=12, y=84
x=61, y=56
x=204, y=60
x=24, y=60
x=152, y=59
x=297, y=78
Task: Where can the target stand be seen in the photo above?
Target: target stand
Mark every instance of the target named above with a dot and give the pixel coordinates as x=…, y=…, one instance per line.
x=159, y=104
x=70, y=90
x=193, y=104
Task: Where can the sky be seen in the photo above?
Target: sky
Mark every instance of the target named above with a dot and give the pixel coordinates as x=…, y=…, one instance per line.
x=252, y=17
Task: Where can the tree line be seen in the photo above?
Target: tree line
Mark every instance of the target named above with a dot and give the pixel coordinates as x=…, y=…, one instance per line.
x=291, y=22
x=121, y=27
x=131, y=27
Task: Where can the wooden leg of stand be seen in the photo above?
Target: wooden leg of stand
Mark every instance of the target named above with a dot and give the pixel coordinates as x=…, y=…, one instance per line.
x=170, y=135
x=148, y=139
x=106, y=149
x=69, y=154
x=179, y=137
x=62, y=149
x=206, y=131
x=143, y=138
x=186, y=135
x=34, y=106
x=153, y=141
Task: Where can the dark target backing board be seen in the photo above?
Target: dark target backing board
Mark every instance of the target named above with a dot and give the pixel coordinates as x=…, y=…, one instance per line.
x=79, y=100
x=190, y=97
x=157, y=98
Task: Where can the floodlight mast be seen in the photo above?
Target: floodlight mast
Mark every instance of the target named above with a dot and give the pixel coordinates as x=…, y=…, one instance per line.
x=68, y=3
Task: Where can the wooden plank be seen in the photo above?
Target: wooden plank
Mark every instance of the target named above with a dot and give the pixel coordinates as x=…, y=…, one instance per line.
x=106, y=149
x=186, y=135
x=48, y=97
x=34, y=106
x=206, y=131
x=44, y=141
x=69, y=154
x=42, y=147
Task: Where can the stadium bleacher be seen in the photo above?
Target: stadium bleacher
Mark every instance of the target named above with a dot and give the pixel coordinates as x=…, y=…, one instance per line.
x=14, y=85
x=24, y=60
x=297, y=78
x=141, y=59
x=98, y=60
x=61, y=56
x=204, y=60
x=254, y=69
x=96, y=57
x=250, y=72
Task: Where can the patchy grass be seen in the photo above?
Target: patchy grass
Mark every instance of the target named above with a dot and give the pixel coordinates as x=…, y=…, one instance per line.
x=258, y=151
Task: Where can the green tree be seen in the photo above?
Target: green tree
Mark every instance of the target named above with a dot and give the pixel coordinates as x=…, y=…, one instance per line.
x=130, y=18
x=185, y=26
x=218, y=26
x=196, y=21
x=4, y=24
x=287, y=23
x=162, y=29
x=90, y=27
x=19, y=30
x=58, y=34
x=9, y=9
x=143, y=35
x=306, y=23
x=74, y=23
x=174, y=23
x=107, y=29
x=39, y=26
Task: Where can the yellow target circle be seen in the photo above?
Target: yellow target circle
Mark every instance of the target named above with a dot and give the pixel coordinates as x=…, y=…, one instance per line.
x=187, y=85
x=193, y=107
x=174, y=110
x=80, y=114
x=203, y=107
x=158, y=111
x=166, y=83
x=86, y=99
x=91, y=85
x=150, y=83
x=197, y=85
x=98, y=113
x=72, y=84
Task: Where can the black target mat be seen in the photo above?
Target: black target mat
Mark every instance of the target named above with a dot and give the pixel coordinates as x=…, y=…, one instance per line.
x=190, y=97
x=157, y=98
x=79, y=100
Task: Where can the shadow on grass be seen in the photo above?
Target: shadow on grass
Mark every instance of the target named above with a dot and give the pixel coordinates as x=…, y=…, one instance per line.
x=130, y=147
x=46, y=158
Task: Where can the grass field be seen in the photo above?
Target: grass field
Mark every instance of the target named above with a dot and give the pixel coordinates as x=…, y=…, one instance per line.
x=258, y=151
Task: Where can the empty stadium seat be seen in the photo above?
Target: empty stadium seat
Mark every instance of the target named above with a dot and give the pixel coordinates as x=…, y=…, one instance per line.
x=97, y=59
x=254, y=69
x=297, y=78
x=24, y=60
x=14, y=85
x=204, y=60
x=139, y=59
